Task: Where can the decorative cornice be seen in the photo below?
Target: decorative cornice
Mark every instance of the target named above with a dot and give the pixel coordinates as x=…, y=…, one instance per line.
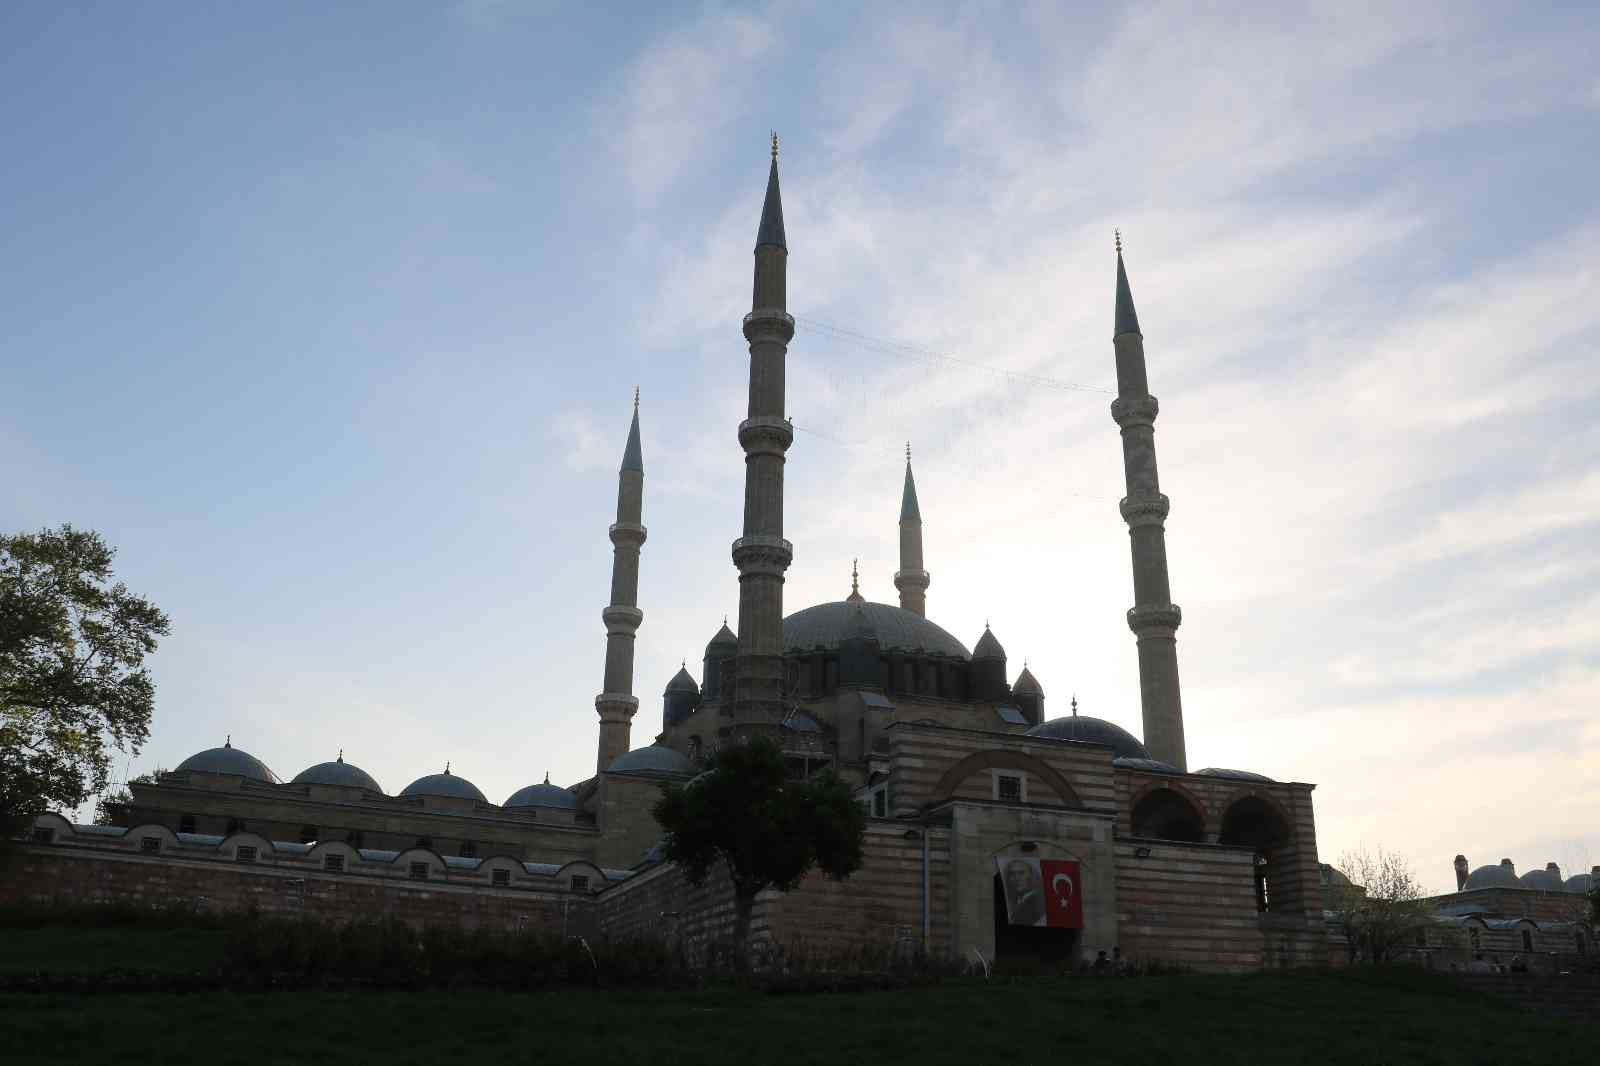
x=1129, y=411
x=616, y=706
x=629, y=533
x=766, y=434
x=762, y=553
x=1150, y=619
x=621, y=619
x=1145, y=510
x=918, y=579
x=768, y=323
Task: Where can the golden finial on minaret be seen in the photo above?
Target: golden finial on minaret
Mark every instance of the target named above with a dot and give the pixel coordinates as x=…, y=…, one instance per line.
x=1118, y=233
x=774, y=146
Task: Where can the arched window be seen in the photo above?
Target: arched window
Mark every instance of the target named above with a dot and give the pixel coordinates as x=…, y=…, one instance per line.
x=235, y=826
x=424, y=842
x=695, y=749
x=1166, y=815
x=186, y=824
x=1527, y=940
x=1253, y=822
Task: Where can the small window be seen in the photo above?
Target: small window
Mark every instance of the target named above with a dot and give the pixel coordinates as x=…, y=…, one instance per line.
x=149, y=845
x=333, y=863
x=424, y=842
x=356, y=838
x=580, y=883
x=308, y=834
x=244, y=853
x=1472, y=934
x=469, y=849
x=880, y=803
x=1008, y=788
x=500, y=878
x=44, y=835
x=1527, y=940
x=186, y=824
x=1583, y=944
x=419, y=871
x=235, y=826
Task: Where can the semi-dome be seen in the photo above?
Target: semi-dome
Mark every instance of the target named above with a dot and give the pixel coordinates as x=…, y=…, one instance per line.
x=1502, y=876
x=229, y=760
x=896, y=629
x=445, y=784
x=1122, y=743
x=543, y=795
x=683, y=681
x=988, y=646
x=656, y=758
x=338, y=772
x=723, y=643
x=1233, y=775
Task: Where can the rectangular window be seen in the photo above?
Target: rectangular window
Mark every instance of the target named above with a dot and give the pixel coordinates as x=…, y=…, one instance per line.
x=1008, y=788
x=186, y=824
x=334, y=864
x=149, y=845
x=469, y=849
x=1527, y=940
x=44, y=835
x=244, y=853
x=880, y=803
x=419, y=871
x=580, y=883
x=500, y=878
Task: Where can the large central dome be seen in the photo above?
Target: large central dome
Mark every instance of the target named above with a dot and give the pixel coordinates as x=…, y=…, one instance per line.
x=897, y=629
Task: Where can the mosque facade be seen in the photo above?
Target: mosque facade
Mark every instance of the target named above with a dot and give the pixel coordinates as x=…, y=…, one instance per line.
x=994, y=830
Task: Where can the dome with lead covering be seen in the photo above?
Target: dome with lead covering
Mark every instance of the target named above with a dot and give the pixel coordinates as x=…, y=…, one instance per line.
x=338, y=772
x=1501, y=876
x=988, y=646
x=1233, y=775
x=445, y=784
x=1548, y=879
x=656, y=758
x=543, y=795
x=683, y=681
x=229, y=760
x=1082, y=728
x=896, y=629
x=724, y=643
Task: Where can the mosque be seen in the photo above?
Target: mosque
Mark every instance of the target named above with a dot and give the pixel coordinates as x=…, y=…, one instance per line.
x=975, y=797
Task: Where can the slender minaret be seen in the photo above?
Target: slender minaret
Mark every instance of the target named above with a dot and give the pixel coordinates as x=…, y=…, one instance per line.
x=762, y=555
x=616, y=703
x=1154, y=618
x=911, y=579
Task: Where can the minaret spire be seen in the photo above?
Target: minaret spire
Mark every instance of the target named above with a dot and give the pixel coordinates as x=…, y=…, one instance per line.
x=616, y=703
x=911, y=579
x=1154, y=618
x=761, y=554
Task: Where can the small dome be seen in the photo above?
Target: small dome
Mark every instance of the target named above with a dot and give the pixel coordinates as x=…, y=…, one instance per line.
x=445, y=784
x=723, y=643
x=988, y=647
x=1122, y=743
x=1027, y=684
x=229, y=760
x=682, y=681
x=1233, y=775
x=1548, y=880
x=1580, y=883
x=338, y=773
x=543, y=795
x=1149, y=766
x=657, y=758
x=1493, y=877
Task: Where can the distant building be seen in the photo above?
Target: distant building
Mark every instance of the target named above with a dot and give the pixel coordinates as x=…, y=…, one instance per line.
x=952, y=754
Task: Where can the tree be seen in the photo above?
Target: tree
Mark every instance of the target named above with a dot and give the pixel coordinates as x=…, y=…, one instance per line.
x=112, y=807
x=767, y=830
x=1383, y=908
x=72, y=678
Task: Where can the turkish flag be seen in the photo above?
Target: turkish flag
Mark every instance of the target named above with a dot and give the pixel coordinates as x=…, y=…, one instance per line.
x=1063, y=893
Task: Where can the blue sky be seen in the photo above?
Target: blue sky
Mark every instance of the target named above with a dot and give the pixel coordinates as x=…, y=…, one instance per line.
x=330, y=321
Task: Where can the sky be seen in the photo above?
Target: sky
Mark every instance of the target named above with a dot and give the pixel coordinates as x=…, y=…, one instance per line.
x=329, y=319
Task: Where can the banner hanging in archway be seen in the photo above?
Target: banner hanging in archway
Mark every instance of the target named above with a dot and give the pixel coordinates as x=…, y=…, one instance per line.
x=1041, y=892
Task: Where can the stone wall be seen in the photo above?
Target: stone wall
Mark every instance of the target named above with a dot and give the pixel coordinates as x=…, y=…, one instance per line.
x=1192, y=904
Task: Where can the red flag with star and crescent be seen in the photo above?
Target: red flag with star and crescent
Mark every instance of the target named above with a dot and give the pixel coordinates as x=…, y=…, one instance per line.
x=1063, y=893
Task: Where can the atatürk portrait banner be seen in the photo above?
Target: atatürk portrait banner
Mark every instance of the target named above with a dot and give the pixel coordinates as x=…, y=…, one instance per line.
x=1041, y=892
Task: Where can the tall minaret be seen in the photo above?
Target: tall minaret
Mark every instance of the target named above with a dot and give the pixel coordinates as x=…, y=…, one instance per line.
x=762, y=555
x=911, y=579
x=616, y=703
x=1154, y=618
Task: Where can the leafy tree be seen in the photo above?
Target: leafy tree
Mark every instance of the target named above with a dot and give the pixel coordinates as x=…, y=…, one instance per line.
x=113, y=805
x=767, y=830
x=1383, y=908
x=72, y=677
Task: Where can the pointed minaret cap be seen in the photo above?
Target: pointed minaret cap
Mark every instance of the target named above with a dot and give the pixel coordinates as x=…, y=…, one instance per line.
x=633, y=454
x=909, y=511
x=1026, y=682
x=771, y=231
x=855, y=583
x=988, y=646
x=1127, y=317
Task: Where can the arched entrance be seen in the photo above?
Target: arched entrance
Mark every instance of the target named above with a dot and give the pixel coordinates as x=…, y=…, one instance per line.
x=1027, y=945
x=1253, y=822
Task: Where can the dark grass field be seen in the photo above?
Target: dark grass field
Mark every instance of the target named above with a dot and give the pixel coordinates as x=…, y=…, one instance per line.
x=1367, y=1017
x=1363, y=1018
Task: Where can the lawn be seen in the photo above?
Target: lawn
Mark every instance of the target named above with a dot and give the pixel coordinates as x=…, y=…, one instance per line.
x=1367, y=1018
